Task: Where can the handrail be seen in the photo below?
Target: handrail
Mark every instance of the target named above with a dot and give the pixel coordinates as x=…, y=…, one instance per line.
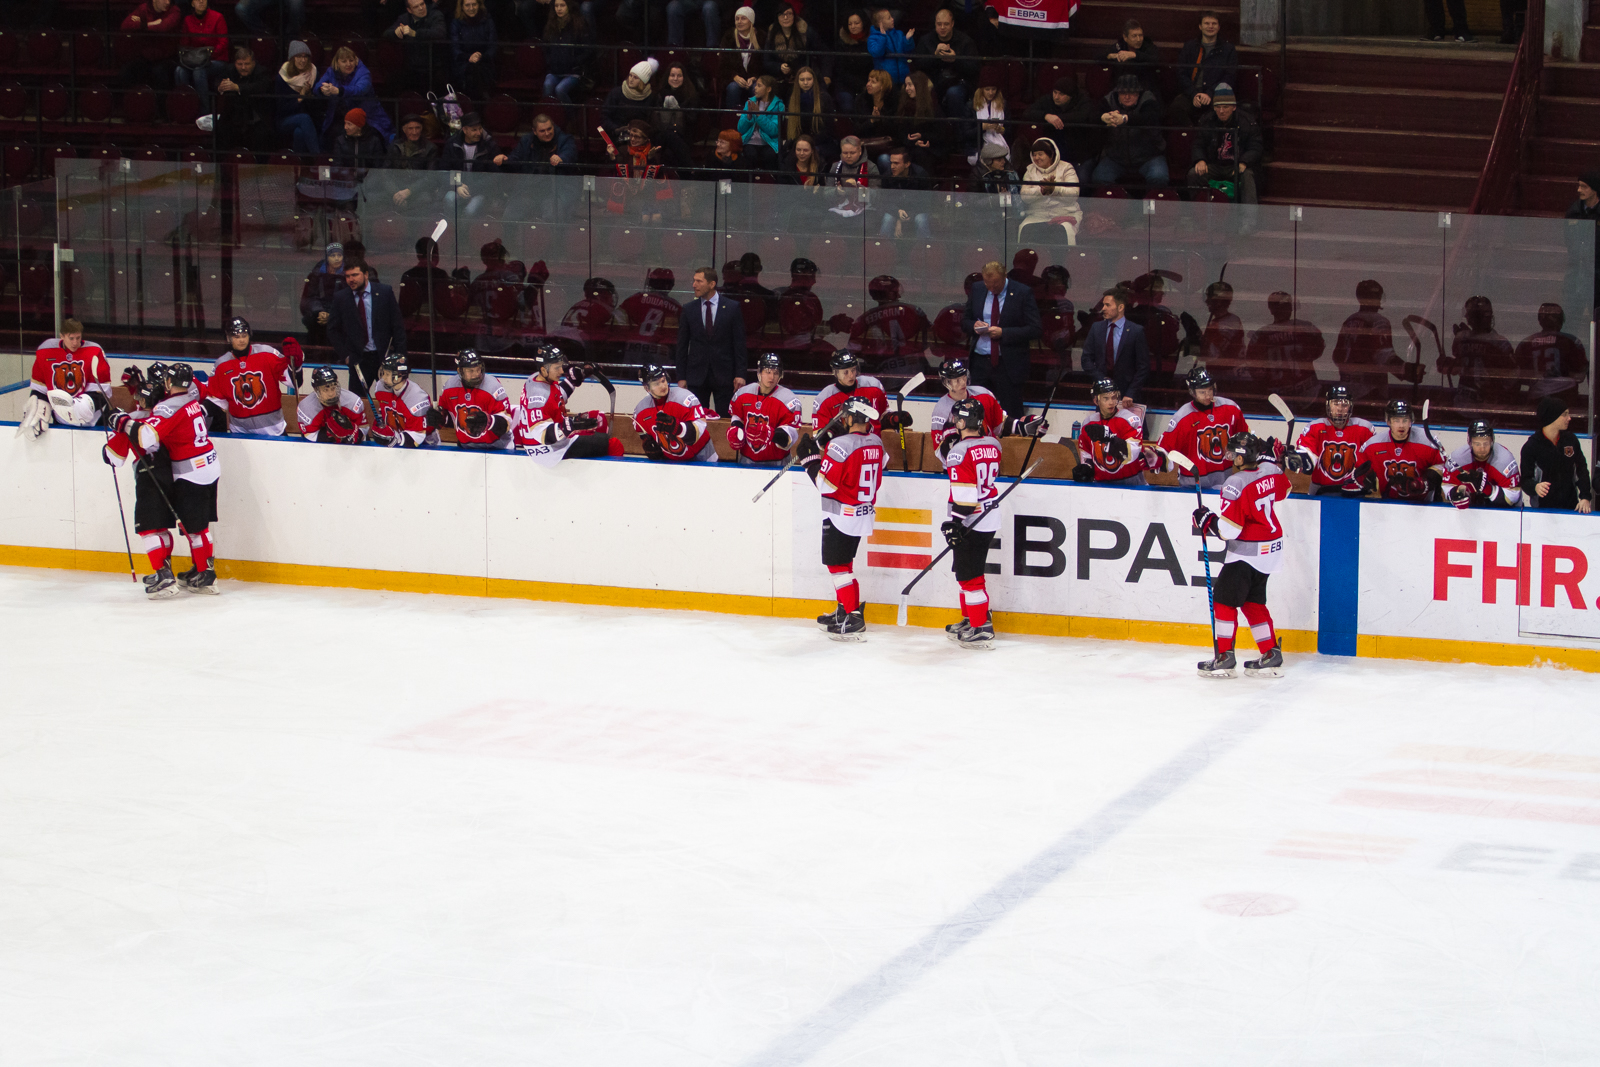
x=1497, y=185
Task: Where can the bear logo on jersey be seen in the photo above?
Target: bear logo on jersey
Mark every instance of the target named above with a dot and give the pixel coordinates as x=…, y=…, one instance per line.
x=1338, y=458
x=394, y=419
x=1401, y=468
x=1105, y=460
x=249, y=389
x=466, y=413
x=758, y=431
x=1212, y=442
x=70, y=376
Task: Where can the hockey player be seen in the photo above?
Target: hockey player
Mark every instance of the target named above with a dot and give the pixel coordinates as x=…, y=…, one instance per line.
x=766, y=417
x=1332, y=446
x=475, y=403
x=543, y=428
x=1487, y=470
x=593, y=317
x=956, y=377
x=848, y=382
x=1250, y=525
x=973, y=466
x=1552, y=360
x=1482, y=357
x=331, y=414
x=1111, y=443
x=401, y=407
x=176, y=481
x=671, y=421
x=652, y=313
x=246, y=389
x=1201, y=430
x=847, y=468
x=1404, y=465
x=70, y=384
x=892, y=331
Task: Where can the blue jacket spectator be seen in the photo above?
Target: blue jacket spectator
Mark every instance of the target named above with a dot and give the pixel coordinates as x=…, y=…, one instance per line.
x=472, y=34
x=891, y=50
x=546, y=150
x=347, y=84
x=761, y=115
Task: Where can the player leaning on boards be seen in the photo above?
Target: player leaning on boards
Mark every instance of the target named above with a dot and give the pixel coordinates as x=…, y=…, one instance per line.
x=176, y=468
x=845, y=461
x=71, y=383
x=1249, y=522
x=765, y=417
x=1487, y=469
x=1201, y=430
x=1405, y=465
x=330, y=413
x=245, y=391
x=543, y=427
x=671, y=420
x=474, y=403
x=1112, y=443
x=972, y=462
x=400, y=407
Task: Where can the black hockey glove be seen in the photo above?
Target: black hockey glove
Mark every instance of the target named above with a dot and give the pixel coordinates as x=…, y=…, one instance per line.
x=583, y=423
x=1083, y=472
x=1352, y=488
x=436, y=418
x=1475, y=480
x=807, y=448
x=341, y=420
x=1459, y=496
x=955, y=532
x=897, y=420
x=133, y=381
x=575, y=374
x=1095, y=431
x=475, y=422
x=1116, y=448
x=1029, y=426
x=666, y=423
x=1205, y=522
x=1298, y=462
x=783, y=437
x=124, y=423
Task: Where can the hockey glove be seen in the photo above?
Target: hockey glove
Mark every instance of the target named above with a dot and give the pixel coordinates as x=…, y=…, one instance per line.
x=897, y=420
x=1095, y=431
x=947, y=441
x=1116, y=448
x=1030, y=426
x=666, y=423
x=1083, y=473
x=133, y=380
x=735, y=436
x=783, y=437
x=1298, y=461
x=341, y=420
x=1205, y=522
x=1459, y=496
x=575, y=374
x=436, y=418
x=807, y=448
x=582, y=423
x=955, y=533
x=124, y=423
x=1405, y=487
x=475, y=422
x=1352, y=488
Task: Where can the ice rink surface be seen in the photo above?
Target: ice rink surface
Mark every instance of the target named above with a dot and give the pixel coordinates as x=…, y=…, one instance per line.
x=319, y=827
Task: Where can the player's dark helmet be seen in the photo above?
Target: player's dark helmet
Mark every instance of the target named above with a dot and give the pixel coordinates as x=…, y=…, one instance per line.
x=546, y=354
x=1103, y=386
x=155, y=384
x=323, y=376
x=1552, y=317
x=1479, y=313
x=660, y=279
x=1248, y=447
x=236, y=327
x=969, y=413
x=802, y=266
x=951, y=369
x=843, y=359
x=885, y=288
x=396, y=364
x=769, y=361
x=179, y=377
x=1480, y=428
x=857, y=410
x=653, y=372
x=1199, y=379
x=1398, y=409
x=600, y=289
x=468, y=357
x=1337, y=392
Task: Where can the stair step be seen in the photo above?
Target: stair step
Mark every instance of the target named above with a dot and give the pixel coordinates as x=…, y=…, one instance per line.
x=1343, y=146
x=1383, y=108
x=1400, y=67
x=1561, y=156
x=1378, y=186
x=1562, y=116
x=1572, y=79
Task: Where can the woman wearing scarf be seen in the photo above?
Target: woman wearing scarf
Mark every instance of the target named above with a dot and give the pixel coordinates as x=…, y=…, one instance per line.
x=804, y=165
x=761, y=125
x=298, y=103
x=643, y=183
x=745, y=64
x=347, y=84
x=921, y=128
x=1049, y=197
x=633, y=100
x=811, y=112
x=989, y=116
x=790, y=43
x=851, y=61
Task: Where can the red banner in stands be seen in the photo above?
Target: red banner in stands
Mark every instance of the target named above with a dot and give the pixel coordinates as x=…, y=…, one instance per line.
x=1037, y=14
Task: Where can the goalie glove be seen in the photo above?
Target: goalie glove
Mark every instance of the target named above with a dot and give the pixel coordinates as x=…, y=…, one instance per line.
x=1206, y=523
x=35, y=416
x=72, y=410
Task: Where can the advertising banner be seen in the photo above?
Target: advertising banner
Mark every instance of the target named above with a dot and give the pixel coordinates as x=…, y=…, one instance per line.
x=1038, y=14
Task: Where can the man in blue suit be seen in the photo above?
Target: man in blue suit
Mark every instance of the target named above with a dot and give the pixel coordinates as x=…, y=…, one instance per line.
x=364, y=326
x=1116, y=348
x=712, y=361
x=1003, y=321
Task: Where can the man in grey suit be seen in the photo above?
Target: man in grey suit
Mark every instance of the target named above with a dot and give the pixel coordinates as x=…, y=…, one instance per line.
x=1003, y=321
x=1116, y=348
x=712, y=361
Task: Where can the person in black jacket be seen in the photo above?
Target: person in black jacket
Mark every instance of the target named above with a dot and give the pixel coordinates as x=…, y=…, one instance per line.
x=791, y=43
x=1117, y=347
x=712, y=360
x=901, y=213
x=1138, y=55
x=1003, y=321
x=471, y=151
x=245, y=103
x=411, y=170
x=364, y=326
x=1227, y=148
x=473, y=44
x=1066, y=113
x=359, y=147
x=919, y=126
x=1135, y=147
x=420, y=29
x=568, y=48
x=850, y=62
x=1204, y=62
x=950, y=60
x=1587, y=208
x=1555, y=474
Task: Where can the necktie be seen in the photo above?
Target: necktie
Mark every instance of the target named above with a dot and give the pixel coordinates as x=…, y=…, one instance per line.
x=1111, y=347
x=361, y=311
x=708, y=318
x=990, y=317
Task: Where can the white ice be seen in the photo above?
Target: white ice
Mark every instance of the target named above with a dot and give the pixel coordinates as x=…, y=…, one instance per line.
x=305, y=827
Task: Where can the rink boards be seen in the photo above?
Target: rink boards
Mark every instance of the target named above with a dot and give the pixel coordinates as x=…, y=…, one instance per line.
x=1369, y=579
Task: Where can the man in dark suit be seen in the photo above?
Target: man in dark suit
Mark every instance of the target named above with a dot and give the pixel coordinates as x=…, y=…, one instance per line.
x=712, y=362
x=364, y=325
x=1003, y=321
x=1116, y=348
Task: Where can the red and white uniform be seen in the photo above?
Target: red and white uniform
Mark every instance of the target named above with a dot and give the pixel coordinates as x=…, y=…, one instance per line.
x=316, y=426
x=1248, y=519
x=120, y=447
x=590, y=319
x=1501, y=469
x=403, y=412
x=539, y=424
x=1413, y=456
x=1335, y=450
x=687, y=441
x=177, y=427
x=490, y=398
x=250, y=389
x=889, y=330
x=652, y=317
x=1202, y=434
x=756, y=420
x=1127, y=424
x=85, y=370
x=993, y=415
x=848, y=479
x=973, y=466
x=832, y=398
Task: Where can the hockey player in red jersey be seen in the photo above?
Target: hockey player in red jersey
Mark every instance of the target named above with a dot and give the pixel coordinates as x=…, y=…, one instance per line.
x=891, y=331
x=671, y=420
x=1331, y=446
x=176, y=477
x=1487, y=470
x=1201, y=429
x=70, y=384
x=401, y=407
x=766, y=417
x=1405, y=465
x=475, y=403
x=973, y=466
x=542, y=426
x=594, y=316
x=1552, y=361
x=847, y=468
x=1248, y=521
x=1483, y=359
x=652, y=314
x=1111, y=443
x=848, y=383
x=331, y=414
x=247, y=386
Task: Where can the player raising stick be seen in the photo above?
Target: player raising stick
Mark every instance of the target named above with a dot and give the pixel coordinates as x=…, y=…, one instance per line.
x=246, y=388
x=1111, y=443
x=671, y=421
x=1487, y=469
x=848, y=383
x=401, y=407
x=544, y=429
x=177, y=468
x=330, y=413
x=1250, y=524
x=71, y=383
x=475, y=403
x=973, y=465
x=1201, y=430
x=1404, y=465
x=847, y=469
x=1332, y=446
x=766, y=417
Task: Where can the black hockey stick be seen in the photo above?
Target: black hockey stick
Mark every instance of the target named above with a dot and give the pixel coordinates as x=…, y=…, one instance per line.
x=1185, y=464
x=605, y=383
x=900, y=615
x=793, y=457
x=133, y=573
x=1051, y=399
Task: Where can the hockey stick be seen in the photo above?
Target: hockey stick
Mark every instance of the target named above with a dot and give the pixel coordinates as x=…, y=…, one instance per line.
x=899, y=409
x=1051, y=399
x=1184, y=464
x=900, y=614
x=133, y=573
x=1410, y=322
x=605, y=383
x=793, y=457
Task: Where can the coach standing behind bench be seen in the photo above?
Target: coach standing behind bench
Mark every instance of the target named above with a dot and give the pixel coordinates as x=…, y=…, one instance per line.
x=364, y=325
x=712, y=361
x=1003, y=322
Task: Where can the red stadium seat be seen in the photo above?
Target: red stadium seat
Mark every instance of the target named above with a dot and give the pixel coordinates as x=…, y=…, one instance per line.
x=1046, y=74
x=37, y=283
x=500, y=305
x=94, y=103
x=195, y=155
x=528, y=59
x=88, y=52
x=501, y=114
x=260, y=290
x=266, y=52
x=54, y=103
x=283, y=159
x=147, y=154
x=57, y=151
x=19, y=163
x=410, y=104
x=1179, y=142
x=410, y=298
x=1097, y=82
x=684, y=246
x=626, y=245
x=388, y=60
x=8, y=47
x=453, y=301
x=102, y=152
x=13, y=101
x=44, y=49
x=1110, y=192
x=183, y=106
x=139, y=105
x=359, y=47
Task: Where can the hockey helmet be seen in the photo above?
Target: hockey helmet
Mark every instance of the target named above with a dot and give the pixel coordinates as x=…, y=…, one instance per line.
x=600, y=289
x=769, y=361
x=180, y=376
x=1337, y=391
x=236, y=327
x=802, y=267
x=1248, y=447
x=969, y=413
x=155, y=384
x=1552, y=317
x=1398, y=409
x=885, y=288
x=857, y=410
x=843, y=359
x=652, y=372
x=1199, y=378
x=545, y=354
x=396, y=364
x=468, y=357
x=952, y=369
x=1479, y=313
x=1103, y=386
x=1480, y=428
x=323, y=376
x=660, y=279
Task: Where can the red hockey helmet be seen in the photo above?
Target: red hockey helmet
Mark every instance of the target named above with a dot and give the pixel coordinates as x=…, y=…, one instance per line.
x=660, y=279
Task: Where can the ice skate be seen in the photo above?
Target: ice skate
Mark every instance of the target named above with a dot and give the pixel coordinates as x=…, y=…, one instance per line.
x=1220, y=666
x=199, y=581
x=832, y=618
x=163, y=586
x=956, y=629
x=1268, y=666
x=977, y=638
x=851, y=627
